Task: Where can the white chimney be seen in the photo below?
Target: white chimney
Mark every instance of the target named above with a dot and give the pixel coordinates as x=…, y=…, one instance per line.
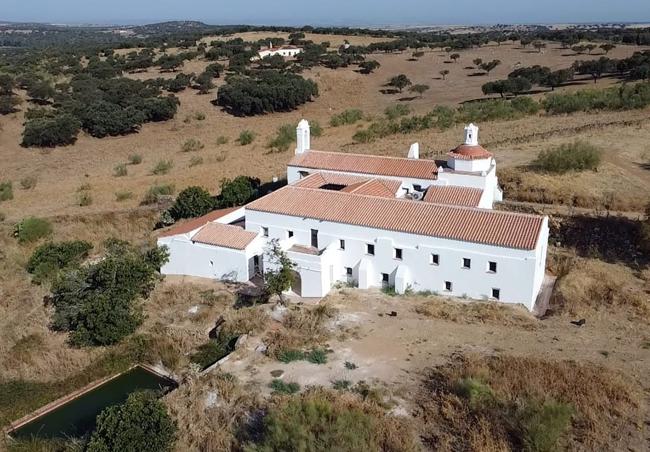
x=303, y=137
x=414, y=151
x=471, y=135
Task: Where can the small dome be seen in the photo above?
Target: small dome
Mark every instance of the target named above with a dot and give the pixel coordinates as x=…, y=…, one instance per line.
x=468, y=152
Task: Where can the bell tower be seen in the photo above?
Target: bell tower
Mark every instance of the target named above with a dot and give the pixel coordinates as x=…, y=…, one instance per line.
x=471, y=135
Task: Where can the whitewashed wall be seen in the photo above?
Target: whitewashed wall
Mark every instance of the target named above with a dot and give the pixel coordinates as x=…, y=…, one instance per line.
x=207, y=261
x=519, y=272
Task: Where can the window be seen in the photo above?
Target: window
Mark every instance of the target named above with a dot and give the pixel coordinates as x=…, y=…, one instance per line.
x=370, y=249
x=448, y=286
x=398, y=253
x=496, y=293
x=265, y=232
x=467, y=263
x=434, y=259
x=348, y=271
x=492, y=267
x=303, y=174
x=342, y=244
x=314, y=238
x=289, y=234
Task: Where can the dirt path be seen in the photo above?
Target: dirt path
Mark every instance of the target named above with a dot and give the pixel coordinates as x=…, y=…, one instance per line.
x=393, y=351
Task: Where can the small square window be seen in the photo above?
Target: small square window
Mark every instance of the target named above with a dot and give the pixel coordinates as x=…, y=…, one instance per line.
x=496, y=293
x=448, y=286
x=467, y=263
x=265, y=232
x=434, y=259
x=370, y=249
x=398, y=253
x=348, y=271
x=492, y=267
x=384, y=277
x=289, y=234
x=342, y=244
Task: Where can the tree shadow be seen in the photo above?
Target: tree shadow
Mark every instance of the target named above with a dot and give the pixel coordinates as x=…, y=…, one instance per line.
x=389, y=91
x=645, y=166
x=607, y=237
x=407, y=99
x=477, y=74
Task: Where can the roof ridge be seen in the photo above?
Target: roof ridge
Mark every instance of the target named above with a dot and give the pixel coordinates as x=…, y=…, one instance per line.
x=402, y=200
x=374, y=156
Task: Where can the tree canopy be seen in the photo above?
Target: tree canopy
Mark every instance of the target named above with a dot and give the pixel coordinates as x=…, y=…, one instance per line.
x=265, y=92
x=141, y=424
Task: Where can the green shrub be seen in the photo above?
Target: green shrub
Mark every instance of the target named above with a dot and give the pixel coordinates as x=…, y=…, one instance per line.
x=157, y=192
x=626, y=97
x=6, y=191
x=123, y=195
x=525, y=105
x=199, y=116
x=97, y=303
x=192, y=145
x=61, y=254
x=318, y=423
x=475, y=391
x=285, y=136
x=346, y=117
x=162, y=167
x=280, y=387
x=135, y=159
x=84, y=198
x=544, y=424
x=192, y=202
x=341, y=385
x=397, y=110
x=290, y=355
x=317, y=356
x=222, y=140
x=59, y=130
x=315, y=128
x=576, y=156
x=29, y=182
x=120, y=170
x=212, y=351
x=32, y=229
x=237, y=192
x=445, y=116
x=139, y=424
x=196, y=161
x=246, y=137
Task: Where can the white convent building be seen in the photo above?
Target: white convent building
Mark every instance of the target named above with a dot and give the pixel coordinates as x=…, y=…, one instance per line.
x=372, y=221
x=286, y=51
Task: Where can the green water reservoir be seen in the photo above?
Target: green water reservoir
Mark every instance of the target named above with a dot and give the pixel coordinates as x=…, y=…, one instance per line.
x=77, y=417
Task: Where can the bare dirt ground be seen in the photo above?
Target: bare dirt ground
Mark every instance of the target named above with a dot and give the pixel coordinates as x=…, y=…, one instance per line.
x=60, y=172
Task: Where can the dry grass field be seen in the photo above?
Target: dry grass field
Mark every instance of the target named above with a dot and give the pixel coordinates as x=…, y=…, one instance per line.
x=395, y=355
x=60, y=172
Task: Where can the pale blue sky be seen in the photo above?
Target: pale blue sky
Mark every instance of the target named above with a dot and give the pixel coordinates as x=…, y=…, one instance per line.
x=327, y=12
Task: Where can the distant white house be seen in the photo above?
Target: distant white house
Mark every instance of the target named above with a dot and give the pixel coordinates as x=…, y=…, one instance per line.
x=286, y=51
x=371, y=221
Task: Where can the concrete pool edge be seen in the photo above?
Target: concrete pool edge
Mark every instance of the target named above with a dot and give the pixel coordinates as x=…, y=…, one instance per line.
x=45, y=409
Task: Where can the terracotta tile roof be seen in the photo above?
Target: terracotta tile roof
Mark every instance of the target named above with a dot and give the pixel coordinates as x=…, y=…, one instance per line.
x=452, y=195
x=353, y=184
x=367, y=164
x=224, y=235
x=373, y=187
x=186, y=226
x=450, y=222
x=467, y=152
